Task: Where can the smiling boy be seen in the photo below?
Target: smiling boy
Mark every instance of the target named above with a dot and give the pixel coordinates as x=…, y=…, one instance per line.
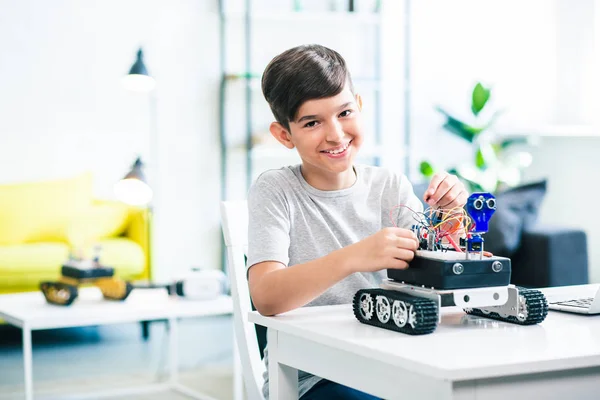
x=321, y=230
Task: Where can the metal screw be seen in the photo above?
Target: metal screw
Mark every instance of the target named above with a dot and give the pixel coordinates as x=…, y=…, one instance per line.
x=497, y=266
x=458, y=268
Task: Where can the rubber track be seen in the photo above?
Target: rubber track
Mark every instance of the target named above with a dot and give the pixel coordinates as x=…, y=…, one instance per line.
x=537, y=309
x=426, y=310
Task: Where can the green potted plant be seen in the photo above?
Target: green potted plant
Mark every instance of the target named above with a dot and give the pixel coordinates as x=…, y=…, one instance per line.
x=494, y=166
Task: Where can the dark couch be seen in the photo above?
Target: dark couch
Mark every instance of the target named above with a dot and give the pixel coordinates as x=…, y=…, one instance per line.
x=550, y=256
x=543, y=255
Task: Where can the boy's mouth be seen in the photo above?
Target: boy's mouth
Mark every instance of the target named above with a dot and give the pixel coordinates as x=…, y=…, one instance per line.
x=339, y=151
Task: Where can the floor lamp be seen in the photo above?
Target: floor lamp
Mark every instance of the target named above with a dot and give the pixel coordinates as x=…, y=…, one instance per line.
x=134, y=189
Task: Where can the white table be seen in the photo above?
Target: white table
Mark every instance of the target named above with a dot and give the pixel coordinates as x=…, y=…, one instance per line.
x=466, y=357
x=30, y=312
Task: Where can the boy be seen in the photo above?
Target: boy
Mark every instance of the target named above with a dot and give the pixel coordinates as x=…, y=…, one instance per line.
x=320, y=231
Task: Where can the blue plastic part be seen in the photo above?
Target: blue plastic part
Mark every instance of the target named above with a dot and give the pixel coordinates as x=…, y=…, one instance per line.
x=481, y=206
x=436, y=217
x=475, y=243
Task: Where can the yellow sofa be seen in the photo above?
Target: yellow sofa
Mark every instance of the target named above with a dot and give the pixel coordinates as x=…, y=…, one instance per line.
x=43, y=223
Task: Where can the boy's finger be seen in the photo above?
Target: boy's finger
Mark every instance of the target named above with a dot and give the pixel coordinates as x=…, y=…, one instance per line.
x=450, y=197
x=442, y=191
x=398, y=264
x=434, y=185
x=405, y=233
x=404, y=254
x=407, y=243
x=459, y=201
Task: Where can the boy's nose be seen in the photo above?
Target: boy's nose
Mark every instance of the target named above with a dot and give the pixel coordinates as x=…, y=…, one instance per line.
x=335, y=133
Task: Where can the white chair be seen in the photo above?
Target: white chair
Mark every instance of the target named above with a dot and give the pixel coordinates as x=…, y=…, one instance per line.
x=234, y=218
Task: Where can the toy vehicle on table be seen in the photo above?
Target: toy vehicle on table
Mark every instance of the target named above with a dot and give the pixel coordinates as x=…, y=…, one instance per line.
x=462, y=275
x=75, y=273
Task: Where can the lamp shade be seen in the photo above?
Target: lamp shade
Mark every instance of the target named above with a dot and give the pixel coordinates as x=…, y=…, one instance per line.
x=138, y=79
x=133, y=189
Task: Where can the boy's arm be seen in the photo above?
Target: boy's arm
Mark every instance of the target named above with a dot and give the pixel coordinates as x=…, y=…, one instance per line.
x=276, y=289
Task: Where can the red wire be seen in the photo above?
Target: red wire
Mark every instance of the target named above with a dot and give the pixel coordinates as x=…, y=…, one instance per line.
x=453, y=243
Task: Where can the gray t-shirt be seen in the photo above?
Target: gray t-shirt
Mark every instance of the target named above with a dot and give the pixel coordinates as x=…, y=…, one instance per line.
x=292, y=222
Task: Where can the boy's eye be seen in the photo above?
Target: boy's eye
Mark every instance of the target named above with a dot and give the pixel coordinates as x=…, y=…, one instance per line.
x=310, y=124
x=345, y=113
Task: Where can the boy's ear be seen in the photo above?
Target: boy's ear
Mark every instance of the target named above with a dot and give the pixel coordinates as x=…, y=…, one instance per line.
x=359, y=102
x=281, y=134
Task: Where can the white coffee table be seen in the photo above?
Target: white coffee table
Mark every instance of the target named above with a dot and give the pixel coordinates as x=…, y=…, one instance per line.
x=30, y=311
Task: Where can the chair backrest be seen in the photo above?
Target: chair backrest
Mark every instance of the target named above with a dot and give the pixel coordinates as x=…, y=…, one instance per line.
x=234, y=217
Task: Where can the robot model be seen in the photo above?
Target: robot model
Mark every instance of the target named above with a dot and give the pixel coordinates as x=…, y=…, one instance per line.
x=462, y=275
x=77, y=272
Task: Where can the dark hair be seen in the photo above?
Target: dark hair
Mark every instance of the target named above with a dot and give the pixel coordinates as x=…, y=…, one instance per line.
x=300, y=74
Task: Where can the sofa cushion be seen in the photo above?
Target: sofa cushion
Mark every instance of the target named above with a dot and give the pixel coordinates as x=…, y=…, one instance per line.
x=124, y=255
x=517, y=210
x=24, y=266
x=32, y=258
x=41, y=211
x=98, y=221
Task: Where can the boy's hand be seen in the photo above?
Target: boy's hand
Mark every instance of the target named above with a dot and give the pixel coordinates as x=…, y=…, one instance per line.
x=446, y=191
x=388, y=248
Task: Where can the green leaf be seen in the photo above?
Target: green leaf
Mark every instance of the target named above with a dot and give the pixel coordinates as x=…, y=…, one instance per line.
x=486, y=156
x=481, y=95
x=476, y=130
x=426, y=169
x=458, y=127
x=480, y=160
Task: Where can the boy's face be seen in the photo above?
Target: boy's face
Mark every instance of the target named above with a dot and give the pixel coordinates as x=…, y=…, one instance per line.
x=327, y=134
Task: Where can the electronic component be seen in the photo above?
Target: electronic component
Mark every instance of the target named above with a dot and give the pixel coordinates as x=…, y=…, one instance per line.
x=481, y=207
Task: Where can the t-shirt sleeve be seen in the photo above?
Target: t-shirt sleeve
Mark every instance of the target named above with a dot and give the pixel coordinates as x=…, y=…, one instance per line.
x=268, y=223
x=406, y=196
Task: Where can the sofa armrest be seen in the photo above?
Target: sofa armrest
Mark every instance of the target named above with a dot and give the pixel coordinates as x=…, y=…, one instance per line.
x=138, y=230
x=551, y=256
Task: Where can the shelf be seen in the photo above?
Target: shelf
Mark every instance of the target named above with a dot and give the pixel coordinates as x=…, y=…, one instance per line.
x=365, y=18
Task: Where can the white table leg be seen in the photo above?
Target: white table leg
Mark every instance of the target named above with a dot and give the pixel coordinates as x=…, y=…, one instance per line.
x=238, y=384
x=173, y=352
x=27, y=362
x=283, y=380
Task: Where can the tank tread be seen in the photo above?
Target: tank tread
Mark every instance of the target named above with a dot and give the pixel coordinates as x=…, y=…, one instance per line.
x=402, y=312
x=114, y=289
x=59, y=293
x=535, y=303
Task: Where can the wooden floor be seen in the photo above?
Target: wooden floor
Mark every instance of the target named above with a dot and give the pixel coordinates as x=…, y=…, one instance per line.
x=76, y=360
